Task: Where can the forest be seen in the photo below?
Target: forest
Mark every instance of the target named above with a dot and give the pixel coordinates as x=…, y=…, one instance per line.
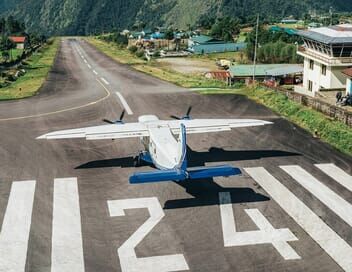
x=81, y=17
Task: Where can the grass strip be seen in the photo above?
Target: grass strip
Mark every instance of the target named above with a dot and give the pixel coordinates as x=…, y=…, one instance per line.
x=37, y=68
x=330, y=131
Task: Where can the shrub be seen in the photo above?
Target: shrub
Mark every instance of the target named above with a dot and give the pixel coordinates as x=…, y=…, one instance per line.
x=140, y=53
x=133, y=49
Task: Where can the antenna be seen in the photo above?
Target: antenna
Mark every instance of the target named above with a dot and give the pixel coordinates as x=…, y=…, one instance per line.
x=255, y=49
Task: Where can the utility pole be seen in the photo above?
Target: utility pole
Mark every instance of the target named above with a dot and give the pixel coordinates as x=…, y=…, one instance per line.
x=255, y=49
x=331, y=14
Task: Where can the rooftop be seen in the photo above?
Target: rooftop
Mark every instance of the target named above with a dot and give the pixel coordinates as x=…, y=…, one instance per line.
x=265, y=70
x=348, y=72
x=17, y=39
x=329, y=35
x=204, y=39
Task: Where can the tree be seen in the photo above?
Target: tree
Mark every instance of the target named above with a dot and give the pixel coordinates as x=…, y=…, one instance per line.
x=225, y=28
x=169, y=35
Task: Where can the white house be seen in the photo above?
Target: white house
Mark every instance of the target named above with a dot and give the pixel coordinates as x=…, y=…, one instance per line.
x=327, y=51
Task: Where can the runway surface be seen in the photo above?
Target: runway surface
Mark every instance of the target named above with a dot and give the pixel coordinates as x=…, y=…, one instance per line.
x=67, y=205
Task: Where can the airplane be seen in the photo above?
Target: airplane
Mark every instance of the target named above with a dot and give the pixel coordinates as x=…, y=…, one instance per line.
x=165, y=144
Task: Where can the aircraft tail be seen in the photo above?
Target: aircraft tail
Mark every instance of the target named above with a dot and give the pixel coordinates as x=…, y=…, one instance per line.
x=182, y=147
x=180, y=175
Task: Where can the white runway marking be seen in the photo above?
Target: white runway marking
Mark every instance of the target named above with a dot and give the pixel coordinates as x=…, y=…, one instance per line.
x=128, y=258
x=337, y=174
x=333, y=244
x=85, y=60
x=336, y=203
x=90, y=67
x=105, y=81
x=124, y=103
x=67, y=248
x=95, y=72
x=16, y=226
x=266, y=234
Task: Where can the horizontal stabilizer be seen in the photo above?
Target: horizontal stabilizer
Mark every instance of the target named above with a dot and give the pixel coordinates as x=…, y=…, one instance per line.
x=214, y=171
x=158, y=176
x=180, y=175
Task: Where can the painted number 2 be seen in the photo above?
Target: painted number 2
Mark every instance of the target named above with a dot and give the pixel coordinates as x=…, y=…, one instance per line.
x=128, y=259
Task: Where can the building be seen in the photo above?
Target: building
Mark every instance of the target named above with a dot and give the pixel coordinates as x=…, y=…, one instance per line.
x=289, y=21
x=327, y=52
x=219, y=75
x=348, y=73
x=19, y=41
x=203, y=44
x=267, y=71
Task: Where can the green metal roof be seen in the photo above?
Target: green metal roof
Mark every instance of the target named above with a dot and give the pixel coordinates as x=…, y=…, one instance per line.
x=204, y=39
x=264, y=70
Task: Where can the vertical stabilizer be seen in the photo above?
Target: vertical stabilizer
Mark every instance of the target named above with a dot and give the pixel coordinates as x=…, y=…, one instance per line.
x=182, y=147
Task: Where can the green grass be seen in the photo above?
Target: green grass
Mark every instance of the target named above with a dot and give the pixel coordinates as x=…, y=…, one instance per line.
x=116, y=52
x=330, y=131
x=37, y=69
x=153, y=68
x=235, y=56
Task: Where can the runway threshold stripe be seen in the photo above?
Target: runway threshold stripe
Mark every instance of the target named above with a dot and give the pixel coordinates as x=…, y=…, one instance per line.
x=124, y=103
x=67, y=248
x=337, y=174
x=105, y=81
x=321, y=233
x=16, y=226
x=332, y=200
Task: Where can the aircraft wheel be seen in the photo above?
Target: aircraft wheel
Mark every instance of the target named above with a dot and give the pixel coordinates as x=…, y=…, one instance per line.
x=137, y=161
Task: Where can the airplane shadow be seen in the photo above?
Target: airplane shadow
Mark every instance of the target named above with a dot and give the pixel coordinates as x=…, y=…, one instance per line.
x=196, y=158
x=206, y=193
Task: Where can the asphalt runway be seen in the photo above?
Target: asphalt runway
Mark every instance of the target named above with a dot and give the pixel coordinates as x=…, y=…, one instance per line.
x=67, y=205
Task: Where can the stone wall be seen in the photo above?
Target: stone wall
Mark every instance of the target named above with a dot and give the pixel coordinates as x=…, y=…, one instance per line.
x=337, y=113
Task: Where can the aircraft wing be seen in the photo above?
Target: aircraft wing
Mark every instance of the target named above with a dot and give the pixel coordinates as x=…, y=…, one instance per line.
x=104, y=132
x=213, y=125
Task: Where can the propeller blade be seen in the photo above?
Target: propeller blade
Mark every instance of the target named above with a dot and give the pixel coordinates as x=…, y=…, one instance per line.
x=189, y=111
x=108, y=121
x=122, y=115
x=175, y=117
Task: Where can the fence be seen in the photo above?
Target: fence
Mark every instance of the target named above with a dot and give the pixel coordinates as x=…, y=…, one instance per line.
x=332, y=111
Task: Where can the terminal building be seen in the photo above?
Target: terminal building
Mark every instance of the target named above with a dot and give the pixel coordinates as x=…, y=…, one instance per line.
x=327, y=53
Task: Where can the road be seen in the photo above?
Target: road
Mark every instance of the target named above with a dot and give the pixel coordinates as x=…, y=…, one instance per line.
x=67, y=205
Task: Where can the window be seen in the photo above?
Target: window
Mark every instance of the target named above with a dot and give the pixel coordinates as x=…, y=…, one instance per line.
x=323, y=69
x=310, y=86
x=311, y=64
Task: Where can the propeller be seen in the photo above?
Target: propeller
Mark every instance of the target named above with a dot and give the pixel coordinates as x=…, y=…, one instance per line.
x=119, y=121
x=186, y=117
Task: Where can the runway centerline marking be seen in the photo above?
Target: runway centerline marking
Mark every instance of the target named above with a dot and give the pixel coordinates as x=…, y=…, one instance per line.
x=266, y=234
x=90, y=67
x=108, y=93
x=16, y=226
x=95, y=72
x=67, y=247
x=322, y=234
x=124, y=103
x=332, y=200
x=105, y=81
x=337, y=174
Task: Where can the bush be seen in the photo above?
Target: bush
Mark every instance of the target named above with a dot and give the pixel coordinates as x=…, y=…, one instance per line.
x=140, y=53
x=133, y=49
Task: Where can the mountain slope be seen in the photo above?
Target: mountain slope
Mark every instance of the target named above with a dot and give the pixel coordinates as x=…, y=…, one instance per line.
x=89, y=16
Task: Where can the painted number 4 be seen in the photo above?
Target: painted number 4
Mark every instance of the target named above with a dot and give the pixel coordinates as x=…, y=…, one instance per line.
x=266, y=234
x=128, y=259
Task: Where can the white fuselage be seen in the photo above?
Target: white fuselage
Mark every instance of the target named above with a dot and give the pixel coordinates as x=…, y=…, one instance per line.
x=164, y=149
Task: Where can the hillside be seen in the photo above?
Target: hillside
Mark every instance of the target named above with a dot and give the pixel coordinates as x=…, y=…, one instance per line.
x=89, y=16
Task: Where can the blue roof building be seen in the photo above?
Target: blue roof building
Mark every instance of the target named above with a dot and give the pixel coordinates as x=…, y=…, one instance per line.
x=203, y=44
